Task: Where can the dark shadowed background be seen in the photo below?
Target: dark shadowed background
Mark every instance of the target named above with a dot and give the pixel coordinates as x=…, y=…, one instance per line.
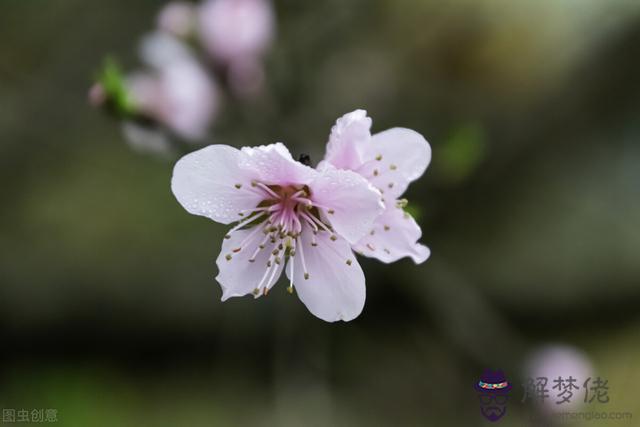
x=109, y=310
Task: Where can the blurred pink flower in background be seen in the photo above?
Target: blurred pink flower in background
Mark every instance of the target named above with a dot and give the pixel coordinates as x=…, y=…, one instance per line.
x=390, y=160
x=177, y=91
x=237, y=33
x=178, y=18
x=236, y=29
x=559, y=360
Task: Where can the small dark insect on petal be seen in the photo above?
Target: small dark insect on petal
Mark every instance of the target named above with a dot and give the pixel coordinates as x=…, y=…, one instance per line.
x=305, y=159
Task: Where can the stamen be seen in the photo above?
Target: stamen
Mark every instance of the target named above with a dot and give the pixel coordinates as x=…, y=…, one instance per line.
x=302, y=193
x=260, y=247
x=245, y=222
x=254, y=210
x=393, y=167
x=401, y=203
x=228, y=257
x=270, y=281
x=390, y=185
x=304, y=264
x=246, y=240
x=292, y=253
x=320, y=223
x=267, y=189
x=297, y=228
x=387, y=228
x=238, y=186
x=264, y=276
x=309, y=221
x=379, y=157
x=349, y=262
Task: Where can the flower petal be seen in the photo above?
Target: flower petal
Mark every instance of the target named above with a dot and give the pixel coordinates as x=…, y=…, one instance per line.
x=189, y=99
x=232, y=29
x=394, y=235
x=348, y=135
x=274, y=165
x=394, y=158
x=349, y=201
x=237, y=275
x=206, y=182
x=335, y=287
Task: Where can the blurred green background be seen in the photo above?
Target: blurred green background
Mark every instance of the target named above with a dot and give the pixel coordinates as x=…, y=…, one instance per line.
x=109, y=310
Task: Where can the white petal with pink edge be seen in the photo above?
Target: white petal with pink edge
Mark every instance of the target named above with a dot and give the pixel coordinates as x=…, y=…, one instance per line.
x=350, y=202
x=348, y=137
x=247, y=264
x=274, y=165
x=394, y=158
x=209, y=182
x=327, y=277
x=394, y=235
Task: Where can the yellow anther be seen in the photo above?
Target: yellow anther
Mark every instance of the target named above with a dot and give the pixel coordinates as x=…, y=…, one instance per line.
x=402, y=203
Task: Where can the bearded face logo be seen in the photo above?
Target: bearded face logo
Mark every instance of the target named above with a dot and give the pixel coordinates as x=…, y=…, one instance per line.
x=493, y=393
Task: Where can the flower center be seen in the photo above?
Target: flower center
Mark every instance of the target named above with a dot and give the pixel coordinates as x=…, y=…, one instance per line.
x=280, y=216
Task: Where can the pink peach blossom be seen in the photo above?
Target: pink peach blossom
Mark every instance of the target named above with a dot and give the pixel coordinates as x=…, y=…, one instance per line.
x=177, y=91
x=389, y=160
x=234, y=30
x=288, y=217
x=178, y=18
